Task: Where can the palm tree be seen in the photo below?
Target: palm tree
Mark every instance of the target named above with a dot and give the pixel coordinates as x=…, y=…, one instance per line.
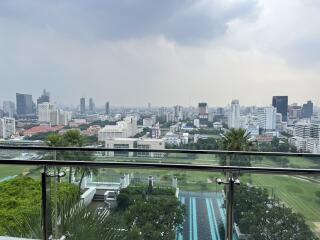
x=237, y=140
x=77, y=222
x=75, y=139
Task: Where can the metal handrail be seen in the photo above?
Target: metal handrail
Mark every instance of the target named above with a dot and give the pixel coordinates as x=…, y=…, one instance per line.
x=172, y=166
x=102, y=149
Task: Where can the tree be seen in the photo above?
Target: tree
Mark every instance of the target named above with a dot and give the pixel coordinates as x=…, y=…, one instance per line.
x=236, y=140
x=262, y=218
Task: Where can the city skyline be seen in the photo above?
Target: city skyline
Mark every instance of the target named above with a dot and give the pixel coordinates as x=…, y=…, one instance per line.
x=167, y=52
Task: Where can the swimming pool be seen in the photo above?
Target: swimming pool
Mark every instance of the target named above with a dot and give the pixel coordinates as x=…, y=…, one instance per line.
x=205, y=216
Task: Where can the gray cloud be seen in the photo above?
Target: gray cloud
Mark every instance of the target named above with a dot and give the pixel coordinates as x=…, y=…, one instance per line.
x=183, y=21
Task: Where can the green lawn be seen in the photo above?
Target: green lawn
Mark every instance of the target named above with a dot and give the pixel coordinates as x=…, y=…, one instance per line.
x=298, y=194
x=11, y=170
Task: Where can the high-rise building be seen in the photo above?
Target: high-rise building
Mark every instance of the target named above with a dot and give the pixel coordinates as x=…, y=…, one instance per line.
x=178, y=113
x=107, y=108
x=203, y=113
x=281, y=104
x=25, y=105
x=91, y=105
x=45, y=97
x=203, y=108
x=82, y=105
x=267, y=118
x=307, y=110
x=234, y=115
x=47, y=112
x=7, y=127
x=9, y=108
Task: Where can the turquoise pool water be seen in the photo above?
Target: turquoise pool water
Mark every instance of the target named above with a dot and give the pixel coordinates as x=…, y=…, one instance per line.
x=205, y=218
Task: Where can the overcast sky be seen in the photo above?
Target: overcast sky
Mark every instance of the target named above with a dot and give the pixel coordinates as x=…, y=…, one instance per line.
x=131, y=52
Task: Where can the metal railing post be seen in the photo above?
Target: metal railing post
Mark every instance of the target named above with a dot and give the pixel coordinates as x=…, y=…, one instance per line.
x=44, y=199
x=230, y=218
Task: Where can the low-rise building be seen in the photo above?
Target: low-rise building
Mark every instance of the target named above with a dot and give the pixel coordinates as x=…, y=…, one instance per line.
x=7, y=127
x=138, y=143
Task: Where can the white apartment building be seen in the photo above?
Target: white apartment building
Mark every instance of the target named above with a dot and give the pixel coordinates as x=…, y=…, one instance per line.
x=234, y=115
x=49, y=113
x=172, y=138
x=7, y=127
x=139, y=143
x=267, y=118
x=46, y=111
x=306, y=137
x=123, y=129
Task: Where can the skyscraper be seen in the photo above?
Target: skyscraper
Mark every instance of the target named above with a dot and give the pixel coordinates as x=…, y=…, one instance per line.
x=82, y=105
x=107, y=108
x=281, y=104
x=234, y=115
x=9, y=108
x=45, y=97
x=91, y=105
x=178, y=113
x=307, y=110
x=267, y=118
x=203, y=113
x=25, y=105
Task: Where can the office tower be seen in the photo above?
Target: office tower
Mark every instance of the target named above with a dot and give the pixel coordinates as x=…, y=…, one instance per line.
x=234, y=115
x=91, y=105
x=82, y=105
x=45, y=97
x=25, y=105
x=307, y=110
x=281, y=104
x=203, y=113
x=178, y=113
x=9, y=108
x=7, y=127
x=267, y=118
x=203, y=108
x=107, y=108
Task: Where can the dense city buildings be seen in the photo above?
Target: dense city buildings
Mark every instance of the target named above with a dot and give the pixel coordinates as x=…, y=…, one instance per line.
x=281, y=104
x=25, y=105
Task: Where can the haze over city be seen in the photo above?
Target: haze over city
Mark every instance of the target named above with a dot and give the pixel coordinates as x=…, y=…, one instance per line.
x=163, y=52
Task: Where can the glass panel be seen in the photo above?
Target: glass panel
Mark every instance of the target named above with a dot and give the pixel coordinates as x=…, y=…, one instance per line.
x=20, y=199
x=143, y=204
x=277, y=207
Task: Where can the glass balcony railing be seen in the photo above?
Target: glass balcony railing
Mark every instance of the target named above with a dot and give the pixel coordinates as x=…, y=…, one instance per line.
x=90, y=193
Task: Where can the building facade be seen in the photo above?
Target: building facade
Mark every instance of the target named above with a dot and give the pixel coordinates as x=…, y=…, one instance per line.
x=7, y=127
x=234, y=115
x=281, y=104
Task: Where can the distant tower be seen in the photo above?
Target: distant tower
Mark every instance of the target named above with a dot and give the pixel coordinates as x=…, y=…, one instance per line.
x=45, y=97
x=281, y=104
x=203, y=113
x=107, y=108
x=307, y=110
x=234, y=115
x=25, y=105
x=91, y=105
x=82, y=105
